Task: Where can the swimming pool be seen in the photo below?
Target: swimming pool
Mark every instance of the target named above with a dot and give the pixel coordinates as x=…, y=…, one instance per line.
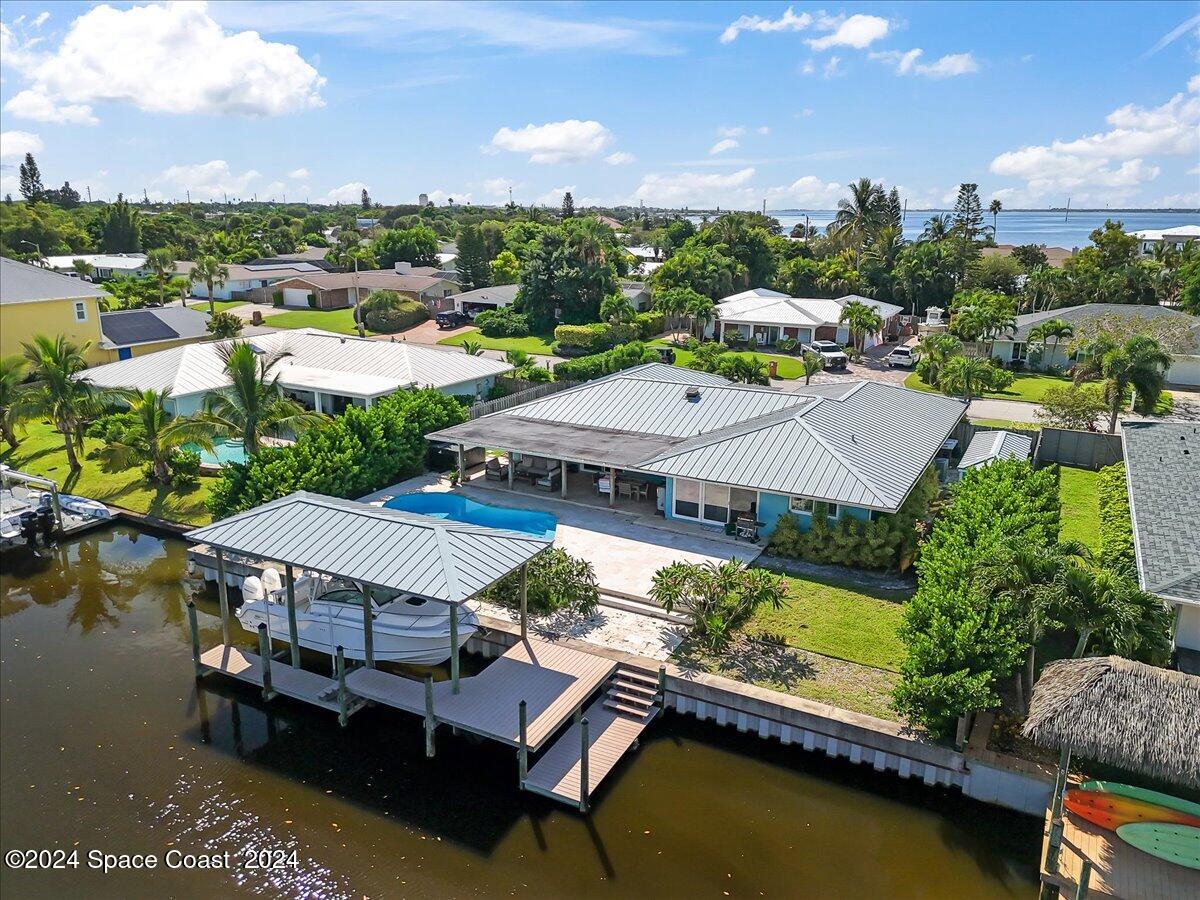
x=224, y=452
x=461, y=509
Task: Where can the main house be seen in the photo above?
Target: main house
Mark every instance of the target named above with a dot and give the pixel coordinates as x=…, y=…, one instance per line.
x=252, y=281
x=324, y=371
x=705, y=450
x=1184, y=332
x=765, y=316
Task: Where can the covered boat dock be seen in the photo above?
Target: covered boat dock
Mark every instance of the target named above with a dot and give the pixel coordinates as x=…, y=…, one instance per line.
x=522, y=699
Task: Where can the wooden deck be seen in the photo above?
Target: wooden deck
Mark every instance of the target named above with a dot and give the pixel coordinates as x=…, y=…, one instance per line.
x=610, y=735
x=298, y=684
x=1118, y=870
x=553, y=680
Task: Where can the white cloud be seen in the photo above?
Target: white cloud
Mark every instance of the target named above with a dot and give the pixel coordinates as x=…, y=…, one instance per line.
x=299, y=174
x=1192, y=25
x=1190, y=200
x=440, y=196
x=763, y=129
x=620, y=158
x=789, y=21
x=568, y=141
x=808, y=191
x=697, y=189
x=205, y=180
x=351, y=192
x=909, y=63
x=9, y=184
x=497, y=187
x=731, y=131
x=858, y=31
x=806, y=112
x=722, y=146
x=1113, y=159
x=832, y=68
x=554, y=196
x=808, y=67
x=171, y=58
x=15, y=144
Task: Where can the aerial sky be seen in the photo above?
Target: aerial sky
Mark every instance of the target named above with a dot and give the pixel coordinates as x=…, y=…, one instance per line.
x=670, y=104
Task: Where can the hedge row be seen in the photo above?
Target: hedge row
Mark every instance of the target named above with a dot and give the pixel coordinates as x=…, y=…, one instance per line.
x=587, y=368
x=502, y=322
x=594, y=338
x=406, y=315
x=360, y=451
x=1116, y=524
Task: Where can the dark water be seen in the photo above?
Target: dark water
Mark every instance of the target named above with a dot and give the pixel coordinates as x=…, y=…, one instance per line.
x=107, y=744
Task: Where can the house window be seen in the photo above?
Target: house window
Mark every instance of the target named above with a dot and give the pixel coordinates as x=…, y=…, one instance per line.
x=716, y=504
x=801, y=505
x=687, y=498
x=80, y=311
x=1018, y=351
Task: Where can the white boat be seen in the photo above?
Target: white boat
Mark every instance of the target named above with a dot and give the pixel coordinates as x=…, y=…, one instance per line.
x=329, y=614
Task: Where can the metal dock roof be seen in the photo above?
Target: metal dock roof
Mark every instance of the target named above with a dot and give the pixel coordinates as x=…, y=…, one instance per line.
x=987, y=446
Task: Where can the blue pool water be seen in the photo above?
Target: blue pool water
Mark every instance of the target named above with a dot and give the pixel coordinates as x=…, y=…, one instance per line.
x=224, y=452
x=460, y=509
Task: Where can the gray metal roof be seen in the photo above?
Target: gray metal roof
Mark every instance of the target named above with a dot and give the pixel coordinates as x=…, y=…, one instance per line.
x=663, y=372
x=433, y=558
x=1162, y=464
x=1074, y=315
x=143, y=326
x=500, y=293
x=988, y=446
x=23, y=283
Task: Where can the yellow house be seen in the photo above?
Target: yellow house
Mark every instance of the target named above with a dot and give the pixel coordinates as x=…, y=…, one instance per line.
x=37, y=301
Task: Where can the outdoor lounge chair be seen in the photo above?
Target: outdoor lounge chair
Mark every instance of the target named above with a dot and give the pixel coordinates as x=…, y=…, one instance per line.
x=551, y=481
x=494, y=470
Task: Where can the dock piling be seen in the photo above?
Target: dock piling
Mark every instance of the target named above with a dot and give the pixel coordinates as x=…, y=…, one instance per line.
x=264, y=652
x=293, y=631
x=523, y=745
x=368, y=637
x=1054, y=843
x=194, y=628
x=662, y=687
x=223, y=594
x=430, y=724
x=1085, y=878
x=524, y=598
x=454, y=648
x=343, y=714
x=583, y=765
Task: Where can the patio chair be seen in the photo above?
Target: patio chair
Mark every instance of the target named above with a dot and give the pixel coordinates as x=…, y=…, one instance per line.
x=494, y=470
x=549, y=482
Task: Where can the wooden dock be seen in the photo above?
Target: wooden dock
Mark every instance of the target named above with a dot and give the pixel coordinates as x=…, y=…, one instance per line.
x=299, y=684
x=1118, y=869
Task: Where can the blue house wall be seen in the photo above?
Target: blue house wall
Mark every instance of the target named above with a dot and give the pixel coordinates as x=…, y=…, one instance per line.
x=770, y=508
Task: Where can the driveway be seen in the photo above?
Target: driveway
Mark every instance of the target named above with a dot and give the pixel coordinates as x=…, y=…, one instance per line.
x=425, y=333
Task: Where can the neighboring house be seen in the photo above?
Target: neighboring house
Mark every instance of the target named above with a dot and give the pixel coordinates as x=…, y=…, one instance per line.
x=482, y=299
x=136, y=332
x=712, y=451
x=610, y=222
x=364, y=224
x=448, y=262
x=766, y=316
x=324, y=371
x=988, y=446
x=1055, y=256
x=313, y=255
x=104, y=265
x=36, y=301
x=336, y=290
x=252, y=281
x=637, y=293
x=1185, y=367
x=1162, y=470
x=1174, y=237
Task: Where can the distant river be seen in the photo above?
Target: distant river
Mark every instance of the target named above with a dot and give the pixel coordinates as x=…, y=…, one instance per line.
x=1052, y=228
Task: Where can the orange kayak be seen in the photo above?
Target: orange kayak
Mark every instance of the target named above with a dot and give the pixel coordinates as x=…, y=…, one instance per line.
x=1111, y=811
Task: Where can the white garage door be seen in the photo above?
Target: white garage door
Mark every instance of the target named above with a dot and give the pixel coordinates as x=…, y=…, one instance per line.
x=295, y=297
x=1185, y=370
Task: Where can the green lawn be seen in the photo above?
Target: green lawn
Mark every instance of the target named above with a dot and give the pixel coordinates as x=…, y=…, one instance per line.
x=1080, y=500
x=1007, y=423
x=538, y=344
x=837, y=619
x=340, y=321
x=41, y=453
x=1027, y=386
x=221, y=305
x=787, y=366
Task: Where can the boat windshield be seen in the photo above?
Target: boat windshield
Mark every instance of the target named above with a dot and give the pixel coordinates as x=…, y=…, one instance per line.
x=353, y=596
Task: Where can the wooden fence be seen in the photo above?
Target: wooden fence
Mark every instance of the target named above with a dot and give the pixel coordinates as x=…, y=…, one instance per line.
x=1083, y=449
x=523, y=392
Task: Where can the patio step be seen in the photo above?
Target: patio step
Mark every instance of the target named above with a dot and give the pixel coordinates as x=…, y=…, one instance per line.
x=638, y=701
x=634, y=675
x=643, y=608
x=638, y=713
x=640, y=688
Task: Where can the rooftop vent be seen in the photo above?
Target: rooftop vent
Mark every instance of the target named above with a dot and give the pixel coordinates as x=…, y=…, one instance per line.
x=692, y=394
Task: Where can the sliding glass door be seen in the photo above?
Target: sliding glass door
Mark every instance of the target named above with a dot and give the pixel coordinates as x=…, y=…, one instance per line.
x=715, y=504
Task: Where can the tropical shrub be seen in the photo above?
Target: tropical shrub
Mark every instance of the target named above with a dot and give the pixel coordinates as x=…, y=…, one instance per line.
x=786, y=345
x=360, y=451
x=555, y=581
x=962, y=640
x=224, y=325
x=650, y=324
x=716, y=596
x=503, y=322
x=1074, y=406
x=277, y=298
x=586, y=368
x=1116, y=523
x=406, y=315
x=581, y=340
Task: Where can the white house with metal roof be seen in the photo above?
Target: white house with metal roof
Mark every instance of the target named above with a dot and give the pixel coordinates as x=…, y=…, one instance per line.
x=104, y=265
x=765, y=316
x=324, y=371
x=1174, y=237
x=713, y=452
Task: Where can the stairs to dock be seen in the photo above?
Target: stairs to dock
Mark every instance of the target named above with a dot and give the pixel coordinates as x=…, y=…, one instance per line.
x=633, y=694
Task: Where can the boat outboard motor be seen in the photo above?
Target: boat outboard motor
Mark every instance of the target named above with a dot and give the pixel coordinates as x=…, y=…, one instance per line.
x=29, y=527
x=45, y=521
x=271, y=581
x=252, y=589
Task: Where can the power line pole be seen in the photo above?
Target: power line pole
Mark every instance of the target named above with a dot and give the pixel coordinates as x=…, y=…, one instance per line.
x=89, y=190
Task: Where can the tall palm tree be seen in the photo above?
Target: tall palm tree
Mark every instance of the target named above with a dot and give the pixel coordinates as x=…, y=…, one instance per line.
x=58, y=393
x=994, y=208
x=158, y=435
x=254, y=403
x=937, y=228
x=702, y=311
x=861, y=320
x=1051, y=329
x=12, y=373
x=1099, y=603
x=1139, y=363
x=616, y=309
x=213, y=273
x=861, y=214
x=162, y=263
x=83, y=268
x=1041, y=285
x=965, y=375
x=589, y=241
x=935, y=350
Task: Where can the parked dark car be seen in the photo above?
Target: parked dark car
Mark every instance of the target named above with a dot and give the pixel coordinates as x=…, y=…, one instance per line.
x=452, y=319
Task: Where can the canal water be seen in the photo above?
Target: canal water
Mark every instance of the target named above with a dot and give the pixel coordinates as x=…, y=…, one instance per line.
x=108, y=744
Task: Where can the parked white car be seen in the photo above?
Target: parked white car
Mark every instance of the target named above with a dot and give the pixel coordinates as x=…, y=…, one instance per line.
x=830, y=352
x=905, y=357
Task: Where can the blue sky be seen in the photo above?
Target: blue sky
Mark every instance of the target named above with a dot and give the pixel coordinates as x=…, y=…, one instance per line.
x=667, y=103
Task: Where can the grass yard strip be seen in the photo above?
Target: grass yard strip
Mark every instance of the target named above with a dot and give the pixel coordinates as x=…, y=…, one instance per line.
x=536, y=344
x=1027, y=386
x=340, y=321
x=1007, y=423
x=41, y=453
x=221, y=305
x=1078, y=492
x=842, y=620
x=788, y=367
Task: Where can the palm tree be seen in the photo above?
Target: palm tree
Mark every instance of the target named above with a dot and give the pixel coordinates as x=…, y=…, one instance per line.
x=1140, y=363
x=254, y=403
x=1041, y=284
x=1051, y=329
x=616, y=309
x=472, y=348
x=861, y=215
x=1098, y=602
x=994, y=208
x=936, y=349
x=213, y=273
x=12, y=373
x=861, y=321
x=157, y=437
x=589, y=241
x=702, y=311
x=518, y=359
x=161, y=262
x=937, y=228
x=83, y=268
x=966, y=375
x=813, y=363
x=57, y=392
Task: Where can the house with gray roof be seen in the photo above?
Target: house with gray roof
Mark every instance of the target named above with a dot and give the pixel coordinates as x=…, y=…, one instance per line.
x=1162, y=473
x=480, y=300
x=1183, y=329
x=132, y=332
x=709, y=451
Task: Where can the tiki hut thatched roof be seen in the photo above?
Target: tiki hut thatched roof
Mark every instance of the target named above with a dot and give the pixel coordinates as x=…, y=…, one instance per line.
x=1122, y=713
